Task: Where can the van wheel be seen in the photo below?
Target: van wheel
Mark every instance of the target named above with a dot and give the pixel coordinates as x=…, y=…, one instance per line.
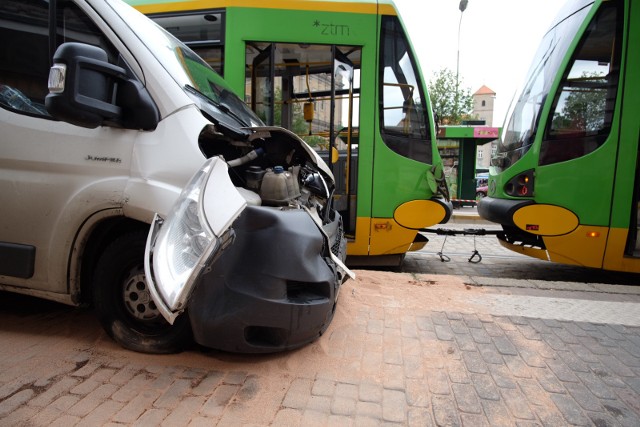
x=123, y=303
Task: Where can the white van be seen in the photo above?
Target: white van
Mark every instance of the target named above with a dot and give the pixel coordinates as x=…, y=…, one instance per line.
x=124, y=127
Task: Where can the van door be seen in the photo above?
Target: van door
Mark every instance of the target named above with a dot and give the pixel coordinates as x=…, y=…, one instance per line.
x=53, y=175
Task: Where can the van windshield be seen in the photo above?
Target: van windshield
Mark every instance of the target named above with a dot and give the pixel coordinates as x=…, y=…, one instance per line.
x=186, y=67
x=523, y=116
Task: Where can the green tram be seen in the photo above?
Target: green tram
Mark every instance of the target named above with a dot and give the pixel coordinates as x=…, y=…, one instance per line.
x=565, y=179
x=343, y=76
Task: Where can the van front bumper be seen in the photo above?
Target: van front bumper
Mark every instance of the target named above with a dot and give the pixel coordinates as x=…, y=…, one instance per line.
x=274, y=289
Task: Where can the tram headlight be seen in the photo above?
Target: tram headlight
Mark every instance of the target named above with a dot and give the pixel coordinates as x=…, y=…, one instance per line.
x=520, y=185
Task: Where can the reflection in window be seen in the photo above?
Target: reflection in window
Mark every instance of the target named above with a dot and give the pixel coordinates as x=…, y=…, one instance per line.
x=583, y=107
x=24, y=53
x=404, y=124
x=201, y=31
x=523, y=117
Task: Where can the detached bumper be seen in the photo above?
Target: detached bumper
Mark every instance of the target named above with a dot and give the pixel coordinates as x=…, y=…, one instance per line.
x=274, y=289
x=500, y=210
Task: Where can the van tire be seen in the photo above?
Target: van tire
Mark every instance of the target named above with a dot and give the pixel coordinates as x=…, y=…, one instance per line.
x=118, y=283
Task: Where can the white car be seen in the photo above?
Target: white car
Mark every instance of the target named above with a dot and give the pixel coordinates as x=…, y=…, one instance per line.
x=245, y=252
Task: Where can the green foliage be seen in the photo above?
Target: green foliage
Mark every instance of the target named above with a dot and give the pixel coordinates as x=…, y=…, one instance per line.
x=584, y=104
x=452, y=102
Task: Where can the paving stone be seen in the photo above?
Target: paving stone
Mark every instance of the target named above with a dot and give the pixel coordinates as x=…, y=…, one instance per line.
x=438, y=381
x=458, y=372
x=419, y=417
x=472, y=321
x=218, y=400
x=534, y=393
x=517, y=367
x=393, y=377
x=417, y=394
x=562, y=370
x=444, y=411
x=208, y=384
x=320, y=403
x=136, y=406
x=480, y=336
x=101, y=414
x=474, y=420
x=497, y=413
x=596, y=386
x=549, y=381
x=15, y=401
x=490, y=354
x=505, y=346
x=621, y=413
x=466, y=398
x=369, y=410
x=444, y=332
x=583, y=396
x=614, y=365
x=517, y=403
x=572, y=361
x=570, y=410
x=474, y=363
x=394, y=406
x=465, y=342
x=314, y=418
x=606, y=376
x=413, y=367
x=172, y=396
x=532, y=358
x=342, y=405
x=485, y=387
x=502, y=376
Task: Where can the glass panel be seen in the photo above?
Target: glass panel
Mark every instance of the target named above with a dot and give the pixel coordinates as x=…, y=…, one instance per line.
x=583, y=108
x=24, y=55
x=523, y=115
x=24, y=52
x=314, y=91
x=260, y=86
x=404, y=113
x=202, y=32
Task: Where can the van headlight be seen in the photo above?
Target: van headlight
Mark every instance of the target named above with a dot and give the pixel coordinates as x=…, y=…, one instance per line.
x=181, y=247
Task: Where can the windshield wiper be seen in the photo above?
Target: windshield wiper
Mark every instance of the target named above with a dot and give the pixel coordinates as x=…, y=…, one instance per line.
x=220, y=106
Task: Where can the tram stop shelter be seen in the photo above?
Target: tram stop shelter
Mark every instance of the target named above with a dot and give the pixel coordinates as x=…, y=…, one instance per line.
x=458, y=146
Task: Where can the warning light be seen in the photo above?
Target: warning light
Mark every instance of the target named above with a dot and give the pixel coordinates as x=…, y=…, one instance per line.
x=593, y=234
x=521, y=185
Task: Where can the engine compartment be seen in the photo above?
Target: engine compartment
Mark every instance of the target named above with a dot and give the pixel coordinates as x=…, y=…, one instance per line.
x=273, y=167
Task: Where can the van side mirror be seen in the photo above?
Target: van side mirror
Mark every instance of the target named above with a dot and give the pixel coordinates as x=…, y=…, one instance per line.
x=86, y=90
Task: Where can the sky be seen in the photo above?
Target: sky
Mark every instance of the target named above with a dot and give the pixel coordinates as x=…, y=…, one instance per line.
x=498, y=39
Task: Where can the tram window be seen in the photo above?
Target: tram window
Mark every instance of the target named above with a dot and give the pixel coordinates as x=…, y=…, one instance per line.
x=404, y=115
x=583, y=107
x=203, y=32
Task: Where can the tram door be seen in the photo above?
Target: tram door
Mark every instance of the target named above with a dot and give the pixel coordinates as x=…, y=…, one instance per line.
x=314, y=91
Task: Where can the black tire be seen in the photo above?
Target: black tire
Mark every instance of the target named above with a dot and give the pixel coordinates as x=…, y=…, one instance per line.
x=123, y=304
x=480, y=195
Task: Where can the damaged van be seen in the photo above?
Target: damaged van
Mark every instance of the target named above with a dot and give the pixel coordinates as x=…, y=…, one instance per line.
x=134, y=180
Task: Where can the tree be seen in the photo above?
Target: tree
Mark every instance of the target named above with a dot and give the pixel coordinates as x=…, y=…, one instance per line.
x=582, y=104
x=450, y=101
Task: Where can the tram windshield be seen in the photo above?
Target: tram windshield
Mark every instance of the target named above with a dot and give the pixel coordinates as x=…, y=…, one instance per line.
x=524, y=113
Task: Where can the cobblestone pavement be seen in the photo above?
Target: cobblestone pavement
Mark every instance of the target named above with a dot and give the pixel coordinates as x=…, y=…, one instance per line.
x=419, y=348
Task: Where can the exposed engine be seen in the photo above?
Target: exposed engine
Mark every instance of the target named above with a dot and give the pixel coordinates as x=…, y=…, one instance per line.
x=273, y=167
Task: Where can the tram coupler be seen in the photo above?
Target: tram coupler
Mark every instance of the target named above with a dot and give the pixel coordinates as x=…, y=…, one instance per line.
x=464, y=231
x=475, y=256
